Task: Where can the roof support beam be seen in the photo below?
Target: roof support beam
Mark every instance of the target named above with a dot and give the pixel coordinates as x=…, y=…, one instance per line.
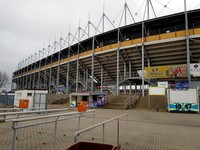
x=104, y=68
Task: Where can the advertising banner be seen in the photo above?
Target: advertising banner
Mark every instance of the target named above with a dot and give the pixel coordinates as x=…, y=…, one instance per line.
x=195, y=70
x=183, y=107
x=182, y=85
x=157, y=91
x=173, y=71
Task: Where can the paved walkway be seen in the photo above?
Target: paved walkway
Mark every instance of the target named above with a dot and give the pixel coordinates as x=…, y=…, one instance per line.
x=147, y=130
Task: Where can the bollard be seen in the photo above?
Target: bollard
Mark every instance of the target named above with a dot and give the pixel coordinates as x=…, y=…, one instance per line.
x=157, y=107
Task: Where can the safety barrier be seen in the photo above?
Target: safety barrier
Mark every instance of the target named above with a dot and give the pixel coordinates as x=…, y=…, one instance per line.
x=21, y=109
x=53, y=118
x=103, y=130
x=20, y=113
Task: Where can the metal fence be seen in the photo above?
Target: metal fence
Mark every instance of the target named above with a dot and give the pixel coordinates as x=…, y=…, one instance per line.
x=7, y=99
x=48, y=131
x=110, y=132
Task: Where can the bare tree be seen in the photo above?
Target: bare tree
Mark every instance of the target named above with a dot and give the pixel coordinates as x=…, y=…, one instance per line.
x=3, y=78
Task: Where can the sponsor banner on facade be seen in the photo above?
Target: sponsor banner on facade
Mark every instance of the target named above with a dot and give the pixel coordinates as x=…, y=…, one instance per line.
x=182, y=85
x=173, y=71
x=195, y=70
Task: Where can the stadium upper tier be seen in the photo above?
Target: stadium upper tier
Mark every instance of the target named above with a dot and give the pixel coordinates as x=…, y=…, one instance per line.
x=164, y=44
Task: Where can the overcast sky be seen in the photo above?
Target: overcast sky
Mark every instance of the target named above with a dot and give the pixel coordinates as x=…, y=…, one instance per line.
x=27, y=26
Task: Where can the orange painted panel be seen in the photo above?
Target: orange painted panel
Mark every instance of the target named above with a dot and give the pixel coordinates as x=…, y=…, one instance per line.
x=73, y=57
x=191, y=32
x=152, y=38
x=64, y=60
x=83, y=54
x=167, y=35
x=127, y=43
x=97, y=50
x=197, y=31
x=89, y=52
x=82, y=106
x=180, y=33
x=23, y=103
x=137, y=41
x=114, y=45
x=106, y=48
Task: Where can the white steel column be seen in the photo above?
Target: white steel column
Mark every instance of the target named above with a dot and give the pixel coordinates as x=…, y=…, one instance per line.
x=142, y=58
x=50, y=71
x=117, y=86
x=77, y=67
x=38, y=84
x=58, y=67
x=68, y=55
x=124, y=77
x=101, y=79
x=92, y=73
x=187, y=42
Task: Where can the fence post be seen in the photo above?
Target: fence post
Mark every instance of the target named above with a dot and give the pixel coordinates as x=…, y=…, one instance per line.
x=56, y=122
x=126, y=128
x=103, y=133
x=118, y=132
x=79, y=120
x=14, y=136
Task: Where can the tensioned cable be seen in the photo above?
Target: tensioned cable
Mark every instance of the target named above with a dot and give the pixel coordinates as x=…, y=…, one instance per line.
x=115, y=18
x=164, y=6
x=130, y=13
x=136, y=14
x=74, y=36
x=84, y=31
x=121, y=18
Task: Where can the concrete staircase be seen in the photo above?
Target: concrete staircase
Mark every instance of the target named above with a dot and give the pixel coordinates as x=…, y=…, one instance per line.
x=152, y=102
x=57, y=98
x=117, y=102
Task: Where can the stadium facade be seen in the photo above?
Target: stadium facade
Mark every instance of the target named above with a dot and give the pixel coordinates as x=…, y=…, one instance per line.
x=116, y=58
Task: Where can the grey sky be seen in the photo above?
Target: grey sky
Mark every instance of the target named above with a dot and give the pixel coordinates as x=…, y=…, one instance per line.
x=26, y=26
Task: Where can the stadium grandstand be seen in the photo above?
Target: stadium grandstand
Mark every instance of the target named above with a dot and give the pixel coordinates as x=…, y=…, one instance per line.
x=116, y=60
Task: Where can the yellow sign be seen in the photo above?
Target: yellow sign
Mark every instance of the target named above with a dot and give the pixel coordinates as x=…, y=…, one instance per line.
x=173, y=71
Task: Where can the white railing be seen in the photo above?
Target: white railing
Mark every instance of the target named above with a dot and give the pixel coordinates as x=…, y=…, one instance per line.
x=20, y=113
x=103, y=131
x=53, y=118
x=131, y=100
x=21, y=109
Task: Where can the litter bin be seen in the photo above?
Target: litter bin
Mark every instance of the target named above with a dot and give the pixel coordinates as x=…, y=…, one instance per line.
x=82, y=106
x=2, y=111
x=92, y=146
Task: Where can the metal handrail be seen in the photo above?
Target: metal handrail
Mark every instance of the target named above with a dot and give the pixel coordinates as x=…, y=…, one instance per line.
x=56, y=117
x=103, y=124
x=19, y=109
x=128, y=101
x=48, y=116
x=28, y=112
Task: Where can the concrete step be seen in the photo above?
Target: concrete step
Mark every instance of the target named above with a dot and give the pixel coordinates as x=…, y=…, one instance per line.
x=117, y=102
x=152, y=102
x=114, y=106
